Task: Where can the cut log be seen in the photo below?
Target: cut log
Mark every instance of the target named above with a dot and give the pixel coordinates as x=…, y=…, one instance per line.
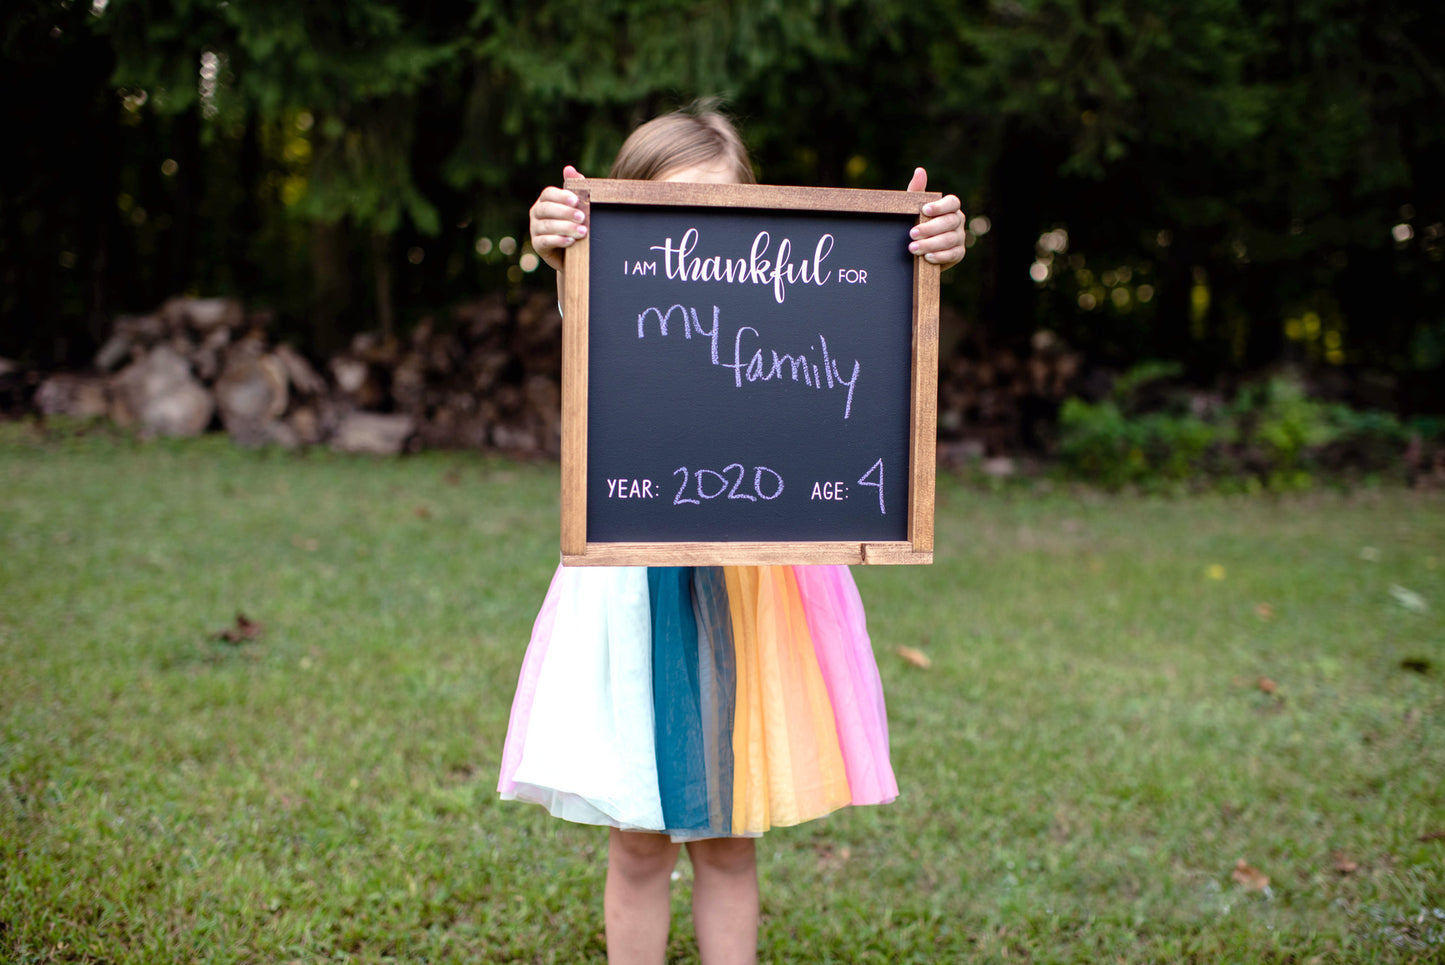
x=481, y=318
x=376, y=349
x=75, y=396
x=18, y=387
x=252, y=394
x=159, y=393
x=305, y=423
x=206, y=357
x=115, y=352
x=304, y=379
x=409, y=385
x=373, y=433
x=203, y=314
x=141, y=329
x=357, y=384
x=514, y=438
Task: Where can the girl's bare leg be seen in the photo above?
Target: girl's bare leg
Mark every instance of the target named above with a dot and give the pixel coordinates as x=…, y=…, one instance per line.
x=636, y=906
x=725, y=899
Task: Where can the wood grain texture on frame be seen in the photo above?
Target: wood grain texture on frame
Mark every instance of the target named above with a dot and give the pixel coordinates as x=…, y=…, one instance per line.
x=577, y=550
x=780, y=197
x=746, y=554
x=574, y=396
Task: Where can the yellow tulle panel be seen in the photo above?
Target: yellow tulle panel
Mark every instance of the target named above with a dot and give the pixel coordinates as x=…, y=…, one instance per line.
x=787, y=758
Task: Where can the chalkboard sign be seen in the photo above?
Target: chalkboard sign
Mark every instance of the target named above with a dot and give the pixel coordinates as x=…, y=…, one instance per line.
x=749, y=377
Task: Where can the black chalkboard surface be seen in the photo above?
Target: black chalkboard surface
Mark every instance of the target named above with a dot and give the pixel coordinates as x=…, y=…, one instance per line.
x=742, y=377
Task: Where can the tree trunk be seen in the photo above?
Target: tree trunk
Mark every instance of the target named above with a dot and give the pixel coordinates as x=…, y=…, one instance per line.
x=246, y=216
x=1018, y=184
x=187, y=189
x=381, y=271
x=1173, y=324
x=331, y=283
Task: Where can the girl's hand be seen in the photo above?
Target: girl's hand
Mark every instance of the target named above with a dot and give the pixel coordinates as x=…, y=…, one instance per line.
x=939, y=239
x=556, y=221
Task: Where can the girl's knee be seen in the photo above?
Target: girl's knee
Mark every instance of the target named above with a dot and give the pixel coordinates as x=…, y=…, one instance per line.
x=641, y=853
x=725, y=855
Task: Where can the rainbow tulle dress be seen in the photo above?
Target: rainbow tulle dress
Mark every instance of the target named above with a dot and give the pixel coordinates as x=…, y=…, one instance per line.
x=699, y=701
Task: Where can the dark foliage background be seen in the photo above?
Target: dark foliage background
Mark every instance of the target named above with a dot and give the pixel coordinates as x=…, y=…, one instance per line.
x=1228, y=184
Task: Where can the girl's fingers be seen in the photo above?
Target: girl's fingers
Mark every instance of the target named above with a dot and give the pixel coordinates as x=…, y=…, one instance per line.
x=927, y=237
x=939, y=239
x=942, y=254
x=546, y=239
x=949, y=224
x=556, y=211
x=945, y=205
x=946, y=258
x=556, y=220
x=555, y=195
x=566, y=225
x=543, y=230
x=550, y=249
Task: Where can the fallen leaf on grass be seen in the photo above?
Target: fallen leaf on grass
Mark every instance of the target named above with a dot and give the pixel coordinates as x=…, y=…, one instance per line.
x=830, y=857
x=1344, y=864
x=1249, y=876
x=914, y=656
x=422, y=512
x=245, y=629
x=1214, y=571
x=1267, y=685
x=1415, y=664
x=1264, y=611
x=1408, y=598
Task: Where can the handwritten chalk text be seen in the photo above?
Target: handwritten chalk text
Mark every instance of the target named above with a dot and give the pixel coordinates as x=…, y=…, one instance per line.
x=821, y=371
x=710, y=484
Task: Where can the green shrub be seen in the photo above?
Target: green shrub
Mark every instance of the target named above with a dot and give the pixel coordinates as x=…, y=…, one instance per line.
x=1096, y=442
x=1288, y=423
x=1101, y=443
x=1178, y=445
x=1271, y=435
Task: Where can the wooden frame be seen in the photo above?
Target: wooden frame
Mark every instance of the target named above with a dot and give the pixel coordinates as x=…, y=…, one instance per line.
x=577, y=550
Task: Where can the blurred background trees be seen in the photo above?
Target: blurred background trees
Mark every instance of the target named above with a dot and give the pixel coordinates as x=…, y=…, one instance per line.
x=1226, y=184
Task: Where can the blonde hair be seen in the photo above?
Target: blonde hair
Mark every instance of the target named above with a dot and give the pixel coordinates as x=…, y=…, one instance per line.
x=682, y=139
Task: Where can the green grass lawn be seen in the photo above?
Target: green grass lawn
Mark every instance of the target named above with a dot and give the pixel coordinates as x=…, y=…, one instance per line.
x=1087, y=757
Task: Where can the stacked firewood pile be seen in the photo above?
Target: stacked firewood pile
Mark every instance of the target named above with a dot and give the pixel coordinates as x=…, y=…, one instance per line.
x=489, y=379
x=995, y=400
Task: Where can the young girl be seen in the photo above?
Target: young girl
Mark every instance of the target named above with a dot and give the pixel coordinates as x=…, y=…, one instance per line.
x=697, y=705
